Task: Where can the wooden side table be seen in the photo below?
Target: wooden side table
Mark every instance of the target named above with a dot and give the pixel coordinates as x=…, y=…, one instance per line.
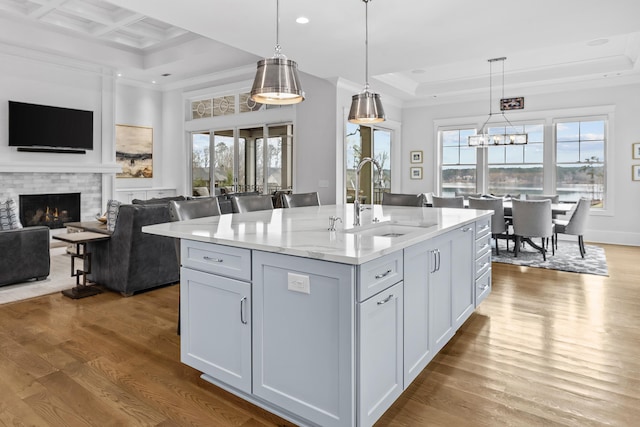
x=80, y=241
x=76, y=227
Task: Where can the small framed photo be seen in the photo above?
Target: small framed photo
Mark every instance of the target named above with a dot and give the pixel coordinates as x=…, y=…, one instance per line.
x=416, y=156
x=635, y=172
x=416, y=172
x=512, y=103
x=636, y=150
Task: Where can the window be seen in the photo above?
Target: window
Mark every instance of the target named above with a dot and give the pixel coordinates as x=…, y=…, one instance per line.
x=365, y=141
x=458, y=171
x=517, y=169
x=580, y=160
x=238, y=158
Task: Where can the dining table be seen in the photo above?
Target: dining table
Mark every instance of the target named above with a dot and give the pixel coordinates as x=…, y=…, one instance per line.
x=556, y=208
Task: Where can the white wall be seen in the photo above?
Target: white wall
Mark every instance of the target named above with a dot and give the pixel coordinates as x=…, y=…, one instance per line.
x=138, y=106
x=30, y=80
x=620, y=223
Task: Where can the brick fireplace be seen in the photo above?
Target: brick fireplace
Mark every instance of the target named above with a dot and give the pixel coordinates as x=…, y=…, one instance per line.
x=52, y=209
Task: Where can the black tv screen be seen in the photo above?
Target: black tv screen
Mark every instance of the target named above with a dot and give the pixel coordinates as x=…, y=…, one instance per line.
x=32, y=125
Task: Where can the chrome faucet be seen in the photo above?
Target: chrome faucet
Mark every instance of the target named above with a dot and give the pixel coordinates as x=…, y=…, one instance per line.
x=356, y=199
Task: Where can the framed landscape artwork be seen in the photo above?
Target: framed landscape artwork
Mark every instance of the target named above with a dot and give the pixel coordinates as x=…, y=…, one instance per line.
x=636, y=150
x=134, y=151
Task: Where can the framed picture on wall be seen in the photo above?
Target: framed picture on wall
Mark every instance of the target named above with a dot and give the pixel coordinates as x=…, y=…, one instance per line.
x=635, y=172
x=416, y=156
x=134, y=151
x=636, y=150
x=416, y=172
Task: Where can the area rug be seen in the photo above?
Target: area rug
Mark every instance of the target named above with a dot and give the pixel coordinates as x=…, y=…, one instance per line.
x=59, y=279
x=567, y=258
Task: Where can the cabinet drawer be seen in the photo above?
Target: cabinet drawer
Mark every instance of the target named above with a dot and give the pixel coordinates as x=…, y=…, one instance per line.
x=483, y=227
x=483, y=287
x=483, y=264
x=377, y=275
x=483, y=246
x=218, y=259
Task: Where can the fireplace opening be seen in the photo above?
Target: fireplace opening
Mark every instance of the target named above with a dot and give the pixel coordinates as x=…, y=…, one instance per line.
x=51, y=210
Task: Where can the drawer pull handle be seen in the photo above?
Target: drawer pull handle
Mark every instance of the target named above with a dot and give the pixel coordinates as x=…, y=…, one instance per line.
x=385, y=274
x=242, y=310
x=484, y=227
x=386, y=300
x=483, y=266
x=484, y=287
x=467, y=229
x=206, y=258
x=485, y=246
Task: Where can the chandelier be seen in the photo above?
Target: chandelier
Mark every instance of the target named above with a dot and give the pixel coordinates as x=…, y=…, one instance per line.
x=484, y=138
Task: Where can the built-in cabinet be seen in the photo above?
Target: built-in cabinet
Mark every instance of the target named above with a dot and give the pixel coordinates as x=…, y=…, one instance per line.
x=127, y=195
x=319, y=342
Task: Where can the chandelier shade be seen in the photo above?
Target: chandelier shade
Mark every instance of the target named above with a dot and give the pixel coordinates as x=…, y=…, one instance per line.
x=486, y=139
x=366, y=107
x=277, y=81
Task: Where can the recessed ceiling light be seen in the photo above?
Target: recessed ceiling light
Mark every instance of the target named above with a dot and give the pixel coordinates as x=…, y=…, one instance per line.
x=165, y=74
x=119, y=74
x=598, y=42
x=302, y=20
x=153, y=81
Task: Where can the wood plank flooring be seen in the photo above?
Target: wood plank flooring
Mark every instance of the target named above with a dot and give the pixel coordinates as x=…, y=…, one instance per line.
x=546, y=348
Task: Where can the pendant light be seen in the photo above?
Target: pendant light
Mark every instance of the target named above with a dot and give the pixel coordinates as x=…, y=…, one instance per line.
x=277, y=80
x=366, y=107
x=484, y=139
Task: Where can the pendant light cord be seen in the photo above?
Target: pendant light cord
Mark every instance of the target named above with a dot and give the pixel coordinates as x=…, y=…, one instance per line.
x=366, y=45
x=278, y=48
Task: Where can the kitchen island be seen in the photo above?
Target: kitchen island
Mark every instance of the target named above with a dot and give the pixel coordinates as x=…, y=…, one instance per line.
x=326, y=325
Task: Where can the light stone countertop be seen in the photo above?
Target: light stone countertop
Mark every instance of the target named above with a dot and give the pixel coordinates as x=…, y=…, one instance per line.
x=304, y=231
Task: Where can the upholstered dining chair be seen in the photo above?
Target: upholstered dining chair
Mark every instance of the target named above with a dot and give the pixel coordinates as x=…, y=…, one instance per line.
x=181, y=210
x=555, y=198
x=499, y=226
x=398, y=199
x=532, y=218
x=467, y=195
x=243, y=204
x=576, y=223
x=448, y=202
x=298, y=200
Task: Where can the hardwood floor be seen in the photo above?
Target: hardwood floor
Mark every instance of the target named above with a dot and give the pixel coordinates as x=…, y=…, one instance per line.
x=546, y=348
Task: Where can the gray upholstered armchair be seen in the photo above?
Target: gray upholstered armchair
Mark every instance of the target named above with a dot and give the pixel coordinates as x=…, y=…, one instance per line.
x=25, y=255
x=576, y=223
x=132, y=261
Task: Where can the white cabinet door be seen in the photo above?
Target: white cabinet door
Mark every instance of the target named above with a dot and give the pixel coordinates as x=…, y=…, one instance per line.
x=216, y=327
x=304, y=337
x=428, y=320
x=380, y=367
x=463, y=274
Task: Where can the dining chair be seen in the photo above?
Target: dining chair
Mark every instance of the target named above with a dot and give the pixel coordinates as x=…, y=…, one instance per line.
x=499, y=225
x=298, y=200
x=532, y=218
x=468, y=195
x=448, y=202
x=243, y=204
x=181, y=210
x=576, y=223
x=398, y=199
x=555, y=198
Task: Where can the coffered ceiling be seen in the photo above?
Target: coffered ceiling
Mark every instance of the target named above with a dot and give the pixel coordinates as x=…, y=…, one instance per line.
x=420, y=52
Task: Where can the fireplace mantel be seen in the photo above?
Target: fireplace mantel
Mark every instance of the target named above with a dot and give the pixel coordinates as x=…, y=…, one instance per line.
x=47, y=167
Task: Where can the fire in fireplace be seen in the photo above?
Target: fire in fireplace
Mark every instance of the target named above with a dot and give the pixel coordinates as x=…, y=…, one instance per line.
x=51, y=210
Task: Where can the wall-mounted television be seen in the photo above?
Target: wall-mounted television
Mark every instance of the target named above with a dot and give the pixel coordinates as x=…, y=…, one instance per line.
x=43, y=128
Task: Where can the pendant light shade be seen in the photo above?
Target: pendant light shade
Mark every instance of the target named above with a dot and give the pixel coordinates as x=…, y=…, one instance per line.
x=366, y=107
x=277, y=80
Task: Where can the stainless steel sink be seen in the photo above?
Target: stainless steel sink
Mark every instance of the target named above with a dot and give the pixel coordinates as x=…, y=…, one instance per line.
x=387, y=229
